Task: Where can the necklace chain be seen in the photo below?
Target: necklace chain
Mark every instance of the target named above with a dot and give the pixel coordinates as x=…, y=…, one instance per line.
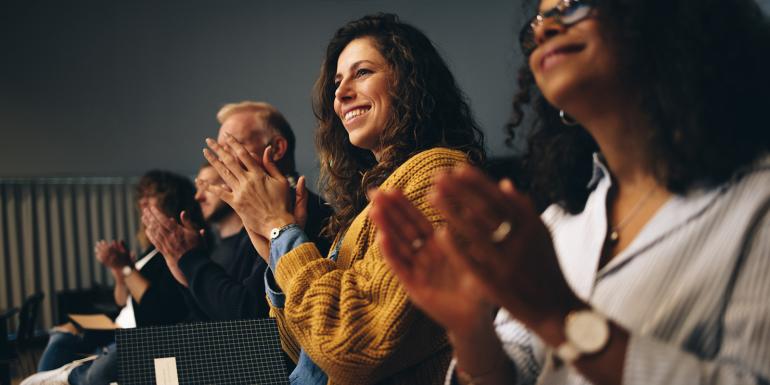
x=615, y=230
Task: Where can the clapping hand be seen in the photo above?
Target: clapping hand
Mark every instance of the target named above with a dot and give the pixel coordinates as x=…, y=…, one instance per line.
x=510, y=250
x=256, y=189
x=113, y=255
x=416, y=254
x=173, y=239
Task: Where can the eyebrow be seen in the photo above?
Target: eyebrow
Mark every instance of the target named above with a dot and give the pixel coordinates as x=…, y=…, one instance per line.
x=354, y=66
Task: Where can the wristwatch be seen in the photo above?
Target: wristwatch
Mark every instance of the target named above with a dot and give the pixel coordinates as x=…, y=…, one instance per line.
x=276, y=232
x=126, y=270
x=587, y=332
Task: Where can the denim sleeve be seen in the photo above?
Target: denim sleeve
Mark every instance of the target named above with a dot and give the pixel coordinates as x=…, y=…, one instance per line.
x=286, y=242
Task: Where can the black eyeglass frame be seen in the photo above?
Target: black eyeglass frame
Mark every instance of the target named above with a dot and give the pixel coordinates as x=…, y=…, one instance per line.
x=557, y=13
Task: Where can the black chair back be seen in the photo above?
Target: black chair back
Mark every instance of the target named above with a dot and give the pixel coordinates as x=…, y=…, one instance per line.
x=28, y=315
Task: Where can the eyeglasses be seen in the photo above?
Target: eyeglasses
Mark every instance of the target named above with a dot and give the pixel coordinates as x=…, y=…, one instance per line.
x=566, y=13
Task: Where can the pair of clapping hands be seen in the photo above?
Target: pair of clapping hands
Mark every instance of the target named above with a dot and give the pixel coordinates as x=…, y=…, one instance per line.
x=114, y=255
x=255, y=188
x=493, y=252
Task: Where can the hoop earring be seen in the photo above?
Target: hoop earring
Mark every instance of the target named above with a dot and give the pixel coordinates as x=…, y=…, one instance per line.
x=566, y=119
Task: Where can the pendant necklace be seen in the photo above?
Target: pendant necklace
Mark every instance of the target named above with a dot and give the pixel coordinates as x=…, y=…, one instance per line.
x=615, y=230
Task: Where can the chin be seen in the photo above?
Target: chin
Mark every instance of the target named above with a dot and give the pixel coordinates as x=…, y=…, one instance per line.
x=357, y=141
x=561, y=90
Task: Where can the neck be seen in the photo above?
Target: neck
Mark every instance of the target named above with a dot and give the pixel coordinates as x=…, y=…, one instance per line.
x=229, y=225
x=620, y=130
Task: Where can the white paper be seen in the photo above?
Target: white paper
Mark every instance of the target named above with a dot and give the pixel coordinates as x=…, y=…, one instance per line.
x=165, y=371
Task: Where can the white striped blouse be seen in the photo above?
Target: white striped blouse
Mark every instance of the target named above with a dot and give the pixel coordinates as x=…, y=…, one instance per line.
x=693, y=288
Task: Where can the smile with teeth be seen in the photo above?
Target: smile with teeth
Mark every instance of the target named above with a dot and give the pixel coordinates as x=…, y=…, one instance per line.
x=356, y=112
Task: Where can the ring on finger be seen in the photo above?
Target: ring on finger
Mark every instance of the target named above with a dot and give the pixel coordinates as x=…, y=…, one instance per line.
x=501, y=232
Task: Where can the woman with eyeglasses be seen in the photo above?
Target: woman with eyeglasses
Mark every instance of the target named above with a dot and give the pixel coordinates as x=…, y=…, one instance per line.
x=650, y=266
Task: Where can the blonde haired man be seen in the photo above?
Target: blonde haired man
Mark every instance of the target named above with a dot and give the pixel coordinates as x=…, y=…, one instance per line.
x=229, y=283
x=258, y=125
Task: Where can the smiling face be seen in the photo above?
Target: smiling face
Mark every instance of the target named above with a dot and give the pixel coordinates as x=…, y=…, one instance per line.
x=362, y=100
x=571, y=63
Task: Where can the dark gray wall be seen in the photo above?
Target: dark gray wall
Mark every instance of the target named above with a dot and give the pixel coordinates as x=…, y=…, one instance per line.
x=115, y=88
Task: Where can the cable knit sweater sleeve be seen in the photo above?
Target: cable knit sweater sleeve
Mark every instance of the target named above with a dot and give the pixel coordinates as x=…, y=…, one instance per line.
x=351, y=316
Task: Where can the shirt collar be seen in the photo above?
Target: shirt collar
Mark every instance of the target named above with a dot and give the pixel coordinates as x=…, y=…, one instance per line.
x=599, y=170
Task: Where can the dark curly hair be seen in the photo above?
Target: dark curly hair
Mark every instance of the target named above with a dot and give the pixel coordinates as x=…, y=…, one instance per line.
x=429, y=110
x=700, y=70
x=175, y=194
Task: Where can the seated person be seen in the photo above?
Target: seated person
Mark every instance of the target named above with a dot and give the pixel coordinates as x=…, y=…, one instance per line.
x=145, y=288
x=228, y=283
x=224, y=284
x=391, y=115
x=651, y=266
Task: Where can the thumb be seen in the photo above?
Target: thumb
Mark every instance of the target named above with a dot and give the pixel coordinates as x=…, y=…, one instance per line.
x=185, y=220
x=300, y=202
x=269, y=165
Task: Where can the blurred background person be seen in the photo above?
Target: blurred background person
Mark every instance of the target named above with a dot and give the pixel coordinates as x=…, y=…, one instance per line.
x=145, y=288
x=390, y=114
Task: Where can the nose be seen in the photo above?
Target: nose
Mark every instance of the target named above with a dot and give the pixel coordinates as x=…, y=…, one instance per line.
x=344, y=91
x=199, y=196
x=546, y=29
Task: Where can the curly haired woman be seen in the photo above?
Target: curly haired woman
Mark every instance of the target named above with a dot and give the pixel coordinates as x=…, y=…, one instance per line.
x=650, y=266
x=390, y=116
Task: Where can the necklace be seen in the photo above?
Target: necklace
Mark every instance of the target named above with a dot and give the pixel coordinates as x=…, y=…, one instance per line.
x=615, y=230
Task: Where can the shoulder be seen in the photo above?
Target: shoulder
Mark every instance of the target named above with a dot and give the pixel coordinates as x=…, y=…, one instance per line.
x=751, y=182
x=747, y=194
x=421, y=167
x=434, y=156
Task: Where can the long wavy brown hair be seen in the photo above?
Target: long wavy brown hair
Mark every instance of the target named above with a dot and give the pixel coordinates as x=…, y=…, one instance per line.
x=700, y=68
x=429, y=110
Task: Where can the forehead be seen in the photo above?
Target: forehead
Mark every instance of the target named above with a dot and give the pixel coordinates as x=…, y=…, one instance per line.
x=247, y=128
x=208, y=173
x=240, y=125
x=361, y=49
x=547, y=4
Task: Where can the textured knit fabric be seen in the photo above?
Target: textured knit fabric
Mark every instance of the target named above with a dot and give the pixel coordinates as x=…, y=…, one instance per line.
x=692, y=288
x=351, y=315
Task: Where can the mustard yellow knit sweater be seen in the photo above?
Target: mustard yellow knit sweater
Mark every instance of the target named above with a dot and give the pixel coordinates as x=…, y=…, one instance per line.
x=352, y=316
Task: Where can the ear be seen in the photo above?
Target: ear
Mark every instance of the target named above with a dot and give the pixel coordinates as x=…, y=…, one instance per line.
x=280, y=145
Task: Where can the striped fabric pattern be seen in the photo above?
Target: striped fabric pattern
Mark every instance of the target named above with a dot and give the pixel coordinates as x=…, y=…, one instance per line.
x=693, y=288
x=48, y=228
